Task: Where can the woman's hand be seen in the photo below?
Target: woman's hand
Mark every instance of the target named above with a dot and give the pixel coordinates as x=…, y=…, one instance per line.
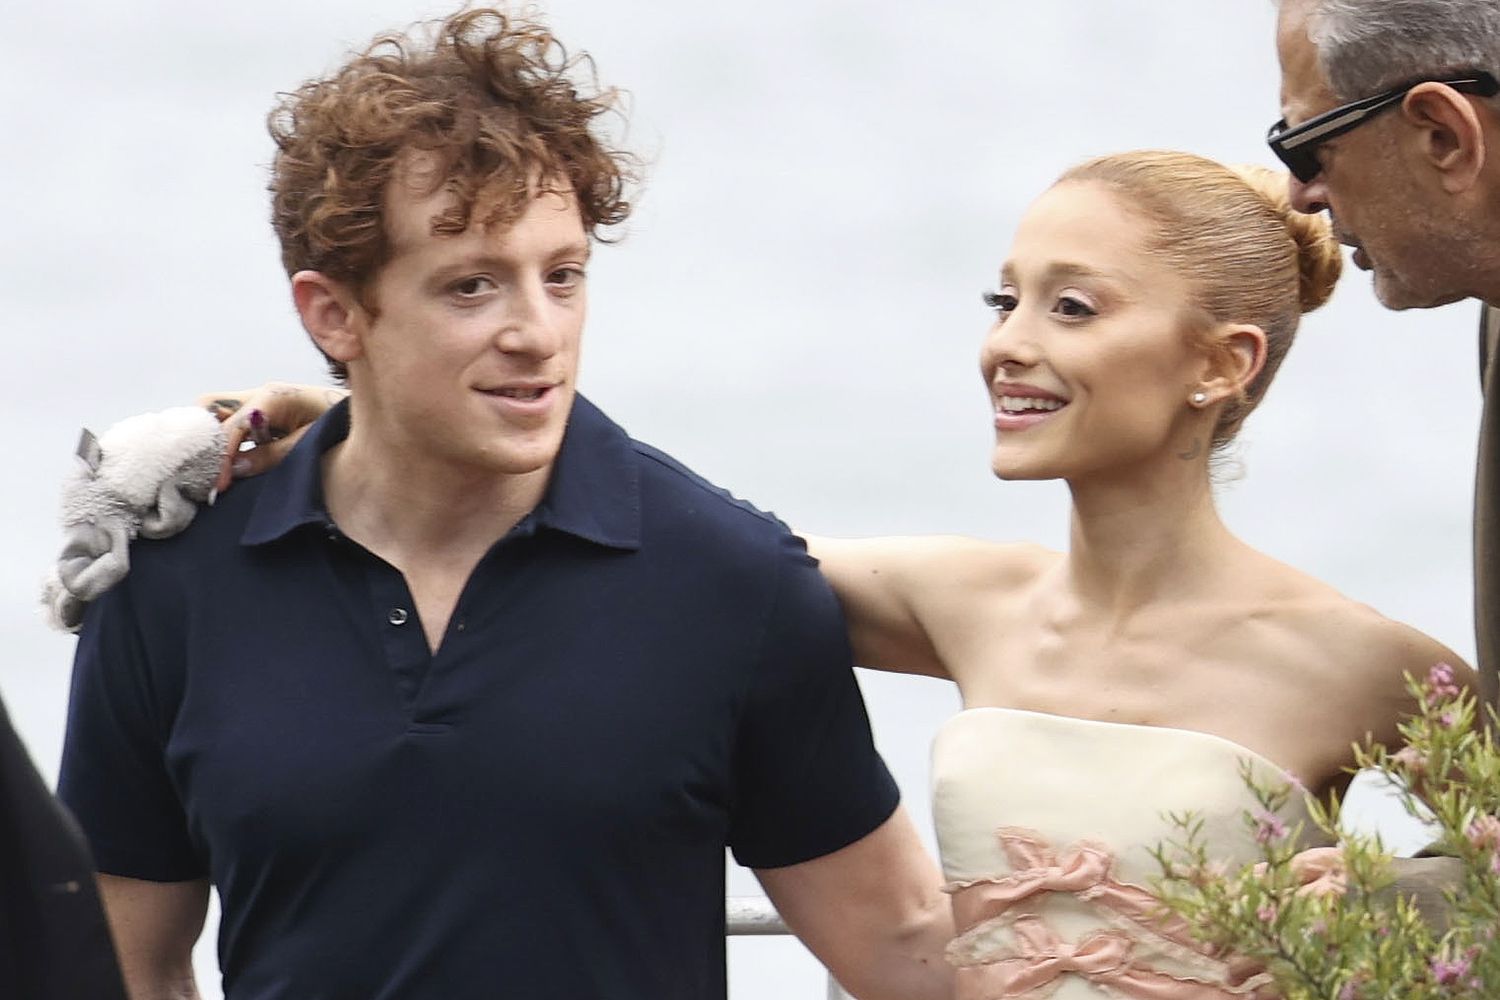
x=263, y=424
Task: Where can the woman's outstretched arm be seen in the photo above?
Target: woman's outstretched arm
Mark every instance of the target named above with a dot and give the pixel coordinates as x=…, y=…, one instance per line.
x=914, y=604
x=875, y=580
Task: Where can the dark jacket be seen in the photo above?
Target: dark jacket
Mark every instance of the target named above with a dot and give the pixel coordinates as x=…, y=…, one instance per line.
x=1487, y=510
x=54, y=942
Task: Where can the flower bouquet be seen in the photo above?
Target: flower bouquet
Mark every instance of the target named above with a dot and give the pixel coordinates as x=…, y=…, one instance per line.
x=1332, y=923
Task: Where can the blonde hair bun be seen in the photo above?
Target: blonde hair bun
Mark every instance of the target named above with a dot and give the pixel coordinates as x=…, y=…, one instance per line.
x=1320, y=260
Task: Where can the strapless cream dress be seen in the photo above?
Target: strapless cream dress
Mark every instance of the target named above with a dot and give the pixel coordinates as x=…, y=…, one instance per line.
x=1045, y=826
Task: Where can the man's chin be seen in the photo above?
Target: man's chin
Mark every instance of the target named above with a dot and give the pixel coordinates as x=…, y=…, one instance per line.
x=1399, y=297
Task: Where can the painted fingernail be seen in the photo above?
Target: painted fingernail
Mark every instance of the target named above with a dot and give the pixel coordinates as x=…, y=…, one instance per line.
x=241, y=467
x=260, y=431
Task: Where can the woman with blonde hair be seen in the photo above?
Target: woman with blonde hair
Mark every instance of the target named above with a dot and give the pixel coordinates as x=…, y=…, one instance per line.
x=1146, y=304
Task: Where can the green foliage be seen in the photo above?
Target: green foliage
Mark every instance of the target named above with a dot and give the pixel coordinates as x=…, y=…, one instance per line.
x=1335, y=924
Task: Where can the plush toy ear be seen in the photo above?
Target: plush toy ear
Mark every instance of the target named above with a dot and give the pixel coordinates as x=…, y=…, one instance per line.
x=89, y=452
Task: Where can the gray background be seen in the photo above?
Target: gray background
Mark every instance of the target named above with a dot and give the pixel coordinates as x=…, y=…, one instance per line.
x=795, y=311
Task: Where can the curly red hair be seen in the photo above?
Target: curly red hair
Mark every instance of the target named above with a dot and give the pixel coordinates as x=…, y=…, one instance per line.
x=494, y=97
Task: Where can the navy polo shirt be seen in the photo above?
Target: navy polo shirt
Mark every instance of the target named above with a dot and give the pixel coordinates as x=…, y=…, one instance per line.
x=643, y=671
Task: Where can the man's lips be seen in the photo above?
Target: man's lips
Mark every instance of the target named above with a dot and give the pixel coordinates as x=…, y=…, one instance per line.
x=1360, y=257
x=522, y=398
x=523, y=393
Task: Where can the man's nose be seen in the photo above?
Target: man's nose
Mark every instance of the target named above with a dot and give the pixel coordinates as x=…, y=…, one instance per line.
x=1309, y=197
x=529, y=326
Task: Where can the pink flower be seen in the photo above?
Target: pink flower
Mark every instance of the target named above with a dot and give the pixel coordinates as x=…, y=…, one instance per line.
x=1447, y=719
x=1410, y=759
x=1349, y=991
x=1440, y=682
x=1484, y=833
x=1448, y=973
x=1268, y=827
x=1267, y=913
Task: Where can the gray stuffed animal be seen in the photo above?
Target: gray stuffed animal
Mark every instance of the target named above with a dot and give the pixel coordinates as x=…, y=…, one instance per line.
x=143, y=477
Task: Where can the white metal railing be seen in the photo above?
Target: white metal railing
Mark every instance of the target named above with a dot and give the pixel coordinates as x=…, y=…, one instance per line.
x=755, y=916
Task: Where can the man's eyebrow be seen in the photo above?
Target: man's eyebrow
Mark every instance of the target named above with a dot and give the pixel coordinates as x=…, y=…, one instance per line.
x=488, y=260
x=583, y=248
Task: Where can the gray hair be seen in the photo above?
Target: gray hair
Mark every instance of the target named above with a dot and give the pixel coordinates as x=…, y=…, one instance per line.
x=1365, y=46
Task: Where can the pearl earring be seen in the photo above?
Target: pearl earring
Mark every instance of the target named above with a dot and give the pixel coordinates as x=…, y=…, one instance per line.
x=1199, y=398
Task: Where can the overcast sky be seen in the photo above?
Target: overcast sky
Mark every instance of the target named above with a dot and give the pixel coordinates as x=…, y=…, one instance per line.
x=795, y=310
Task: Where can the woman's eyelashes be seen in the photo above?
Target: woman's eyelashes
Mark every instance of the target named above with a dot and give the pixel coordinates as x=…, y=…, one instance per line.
x=1002, y=301
x=1067, y=305
x=1074, y=307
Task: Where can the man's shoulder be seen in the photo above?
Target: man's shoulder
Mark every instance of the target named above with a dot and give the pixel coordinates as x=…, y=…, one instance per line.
x=208, y=545
x=679, y=500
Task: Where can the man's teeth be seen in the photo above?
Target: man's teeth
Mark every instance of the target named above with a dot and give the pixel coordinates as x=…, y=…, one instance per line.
x=1019, y=404
x=521, y=393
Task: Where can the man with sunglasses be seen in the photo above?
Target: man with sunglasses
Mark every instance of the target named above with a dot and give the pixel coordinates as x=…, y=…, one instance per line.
x=1391, y=124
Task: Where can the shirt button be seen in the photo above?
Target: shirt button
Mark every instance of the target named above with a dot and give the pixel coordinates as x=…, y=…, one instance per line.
x=462, y=624
x=397, y=616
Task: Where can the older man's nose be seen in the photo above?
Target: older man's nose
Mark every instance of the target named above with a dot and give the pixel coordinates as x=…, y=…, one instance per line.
x=1310, y=197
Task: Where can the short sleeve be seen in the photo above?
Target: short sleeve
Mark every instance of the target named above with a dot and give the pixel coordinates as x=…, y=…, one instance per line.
x=114, y=774
x=808, y=780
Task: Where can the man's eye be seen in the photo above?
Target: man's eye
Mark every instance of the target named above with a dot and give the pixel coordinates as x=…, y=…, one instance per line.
x=470, y=287
x=1001, y=302
x=1077, y=308
x=567, y=277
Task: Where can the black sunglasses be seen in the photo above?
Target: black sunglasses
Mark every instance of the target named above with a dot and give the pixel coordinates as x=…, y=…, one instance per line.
x=1297, y=147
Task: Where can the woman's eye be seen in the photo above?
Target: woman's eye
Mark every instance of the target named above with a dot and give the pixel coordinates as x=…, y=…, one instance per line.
x=1075, y=308
x=1001, y=302
x=471, y=287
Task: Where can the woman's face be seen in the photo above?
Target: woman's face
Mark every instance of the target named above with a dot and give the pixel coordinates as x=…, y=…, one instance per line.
x=1089, y=364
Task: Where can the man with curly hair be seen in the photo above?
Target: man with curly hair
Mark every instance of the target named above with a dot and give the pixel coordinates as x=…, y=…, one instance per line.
x=468, y=697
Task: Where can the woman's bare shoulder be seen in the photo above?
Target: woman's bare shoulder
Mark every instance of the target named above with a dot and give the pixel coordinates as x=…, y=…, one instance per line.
x=1356, y=645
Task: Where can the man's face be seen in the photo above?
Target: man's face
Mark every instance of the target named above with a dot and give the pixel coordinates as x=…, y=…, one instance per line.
x=1369, y=190
x=473, y=356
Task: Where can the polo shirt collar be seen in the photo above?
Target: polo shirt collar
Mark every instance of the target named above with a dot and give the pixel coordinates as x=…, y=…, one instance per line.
x=593, y=494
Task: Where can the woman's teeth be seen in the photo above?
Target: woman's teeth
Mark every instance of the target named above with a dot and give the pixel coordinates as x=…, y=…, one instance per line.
x=1019, y=404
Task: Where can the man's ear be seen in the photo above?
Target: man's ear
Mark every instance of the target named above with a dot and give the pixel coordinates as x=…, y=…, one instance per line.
x=1237, y=355
x=330, y=313
x=1449, y=134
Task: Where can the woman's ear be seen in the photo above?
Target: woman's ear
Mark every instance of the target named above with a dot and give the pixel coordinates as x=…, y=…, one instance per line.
x=330, y=313
x=1236, y=354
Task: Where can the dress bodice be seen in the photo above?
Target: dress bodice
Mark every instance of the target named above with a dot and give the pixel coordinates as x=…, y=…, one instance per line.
x=1046, y=826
